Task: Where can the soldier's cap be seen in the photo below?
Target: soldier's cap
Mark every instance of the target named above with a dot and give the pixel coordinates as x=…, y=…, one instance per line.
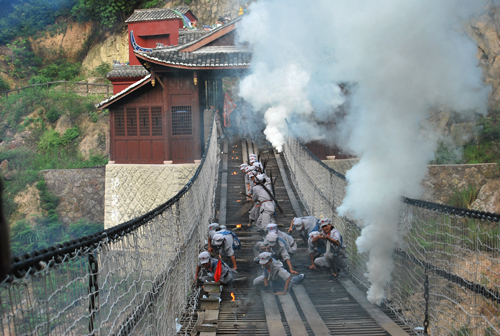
x=261, y=177
x=297, y=221
x=271, y=238
x=243, y=166
x=218, y=239
x=204, y=257
x=314, y=234
x=272, y=226
x=213, y=226
x=222, y=227
x=324, y=222
x=264, y=257
x=252, y=155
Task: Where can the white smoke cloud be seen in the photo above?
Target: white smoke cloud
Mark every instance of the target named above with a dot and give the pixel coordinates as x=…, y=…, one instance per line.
x=404, y=57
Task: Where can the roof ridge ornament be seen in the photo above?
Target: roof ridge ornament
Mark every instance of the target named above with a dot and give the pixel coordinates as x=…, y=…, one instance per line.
x=136, y=46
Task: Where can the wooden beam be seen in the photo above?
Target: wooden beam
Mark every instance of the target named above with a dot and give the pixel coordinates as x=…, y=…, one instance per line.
x=273, y=317
x=375, y=312
x=312, y=316
x=293, y=318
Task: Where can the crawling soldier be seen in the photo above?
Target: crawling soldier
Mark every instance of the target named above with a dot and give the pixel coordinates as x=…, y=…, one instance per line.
x=275, y=276
x=207, y=265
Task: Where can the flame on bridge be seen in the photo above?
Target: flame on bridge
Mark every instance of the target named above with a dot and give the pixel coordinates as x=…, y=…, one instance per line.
x=234, y=173
x=232, y=295
x=238, y=226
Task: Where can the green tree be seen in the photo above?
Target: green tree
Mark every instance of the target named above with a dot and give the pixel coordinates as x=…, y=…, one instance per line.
x=107, y=12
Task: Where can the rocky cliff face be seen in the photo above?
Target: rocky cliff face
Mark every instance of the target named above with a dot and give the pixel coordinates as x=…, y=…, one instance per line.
x=67, y=43
x=113, y=48
x=485, y=31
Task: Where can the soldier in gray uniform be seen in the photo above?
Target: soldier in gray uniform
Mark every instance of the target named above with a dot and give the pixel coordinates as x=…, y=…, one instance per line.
x=207, y=265
x=212, y=228
x=261, y=246
x=280, y=248
x=335, y=250
x=316, y=248
x=275, y=275
x=259, y=194
x=304, y=226
x=223, y=245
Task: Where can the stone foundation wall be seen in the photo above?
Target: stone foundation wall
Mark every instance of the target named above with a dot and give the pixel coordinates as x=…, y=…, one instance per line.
x=80, y=192
x=441, y=181
x=133, y=190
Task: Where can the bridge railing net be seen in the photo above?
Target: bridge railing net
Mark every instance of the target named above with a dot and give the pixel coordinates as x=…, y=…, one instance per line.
x=447, y=267
x=133, y=279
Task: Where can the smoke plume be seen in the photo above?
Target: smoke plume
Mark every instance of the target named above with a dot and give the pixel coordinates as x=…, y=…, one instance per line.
x=399, y=59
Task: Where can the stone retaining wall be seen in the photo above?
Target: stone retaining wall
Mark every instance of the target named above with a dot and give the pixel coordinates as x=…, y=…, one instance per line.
x=81, y=193
x=441, y=181
x=133, y=190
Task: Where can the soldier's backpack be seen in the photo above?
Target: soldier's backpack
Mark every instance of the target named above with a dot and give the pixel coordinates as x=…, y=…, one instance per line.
x=236, y=241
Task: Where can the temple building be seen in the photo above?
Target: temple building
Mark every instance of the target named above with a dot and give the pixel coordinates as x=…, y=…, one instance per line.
x=157, y=112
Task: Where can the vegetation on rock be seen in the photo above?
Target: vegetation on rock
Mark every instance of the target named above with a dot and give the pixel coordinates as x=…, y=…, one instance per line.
x=31, y=144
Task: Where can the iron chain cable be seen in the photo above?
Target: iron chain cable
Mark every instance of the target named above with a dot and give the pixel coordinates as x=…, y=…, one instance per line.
x=134, y=278
x=447, y=264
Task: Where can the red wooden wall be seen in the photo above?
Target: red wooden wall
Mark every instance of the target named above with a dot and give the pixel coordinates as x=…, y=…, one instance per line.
x=158, y=124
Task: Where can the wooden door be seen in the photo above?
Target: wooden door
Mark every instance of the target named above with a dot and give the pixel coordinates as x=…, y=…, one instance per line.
x=138, y=135
x=184, y=124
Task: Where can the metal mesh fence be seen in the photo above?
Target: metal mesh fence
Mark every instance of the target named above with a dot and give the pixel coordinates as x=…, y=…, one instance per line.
x=132, y=279
x=446, y=279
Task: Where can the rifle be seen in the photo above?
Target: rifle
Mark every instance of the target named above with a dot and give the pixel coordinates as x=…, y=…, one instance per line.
x=270, y=195
x=272, y=183
x=246, y=196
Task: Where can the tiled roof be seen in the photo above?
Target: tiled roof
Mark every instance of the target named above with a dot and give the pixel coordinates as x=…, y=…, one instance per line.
x=186, y=36
x=124, y=91
x=132, y=71
x=214, y=56
x=193, y=59
x=156, y=14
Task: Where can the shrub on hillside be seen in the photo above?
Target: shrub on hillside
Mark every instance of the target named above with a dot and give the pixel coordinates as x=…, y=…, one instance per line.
x=102, y=69
x=61, y=70
x=39, y=79
x=24, y=63
x=4, y=86
x=53, y=114
x=47, y=232
x=51, y=140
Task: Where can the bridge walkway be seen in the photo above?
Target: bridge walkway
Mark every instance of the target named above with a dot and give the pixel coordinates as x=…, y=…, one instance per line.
x=336, y=307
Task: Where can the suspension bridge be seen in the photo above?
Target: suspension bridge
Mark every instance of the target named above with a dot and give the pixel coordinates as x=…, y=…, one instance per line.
x=137, y=278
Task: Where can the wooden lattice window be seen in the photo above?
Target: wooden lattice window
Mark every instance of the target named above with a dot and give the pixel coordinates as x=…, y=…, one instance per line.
x=181, y=120
x=156, y=121
x=119, y=122
x=144, y=121
x=131, y=121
